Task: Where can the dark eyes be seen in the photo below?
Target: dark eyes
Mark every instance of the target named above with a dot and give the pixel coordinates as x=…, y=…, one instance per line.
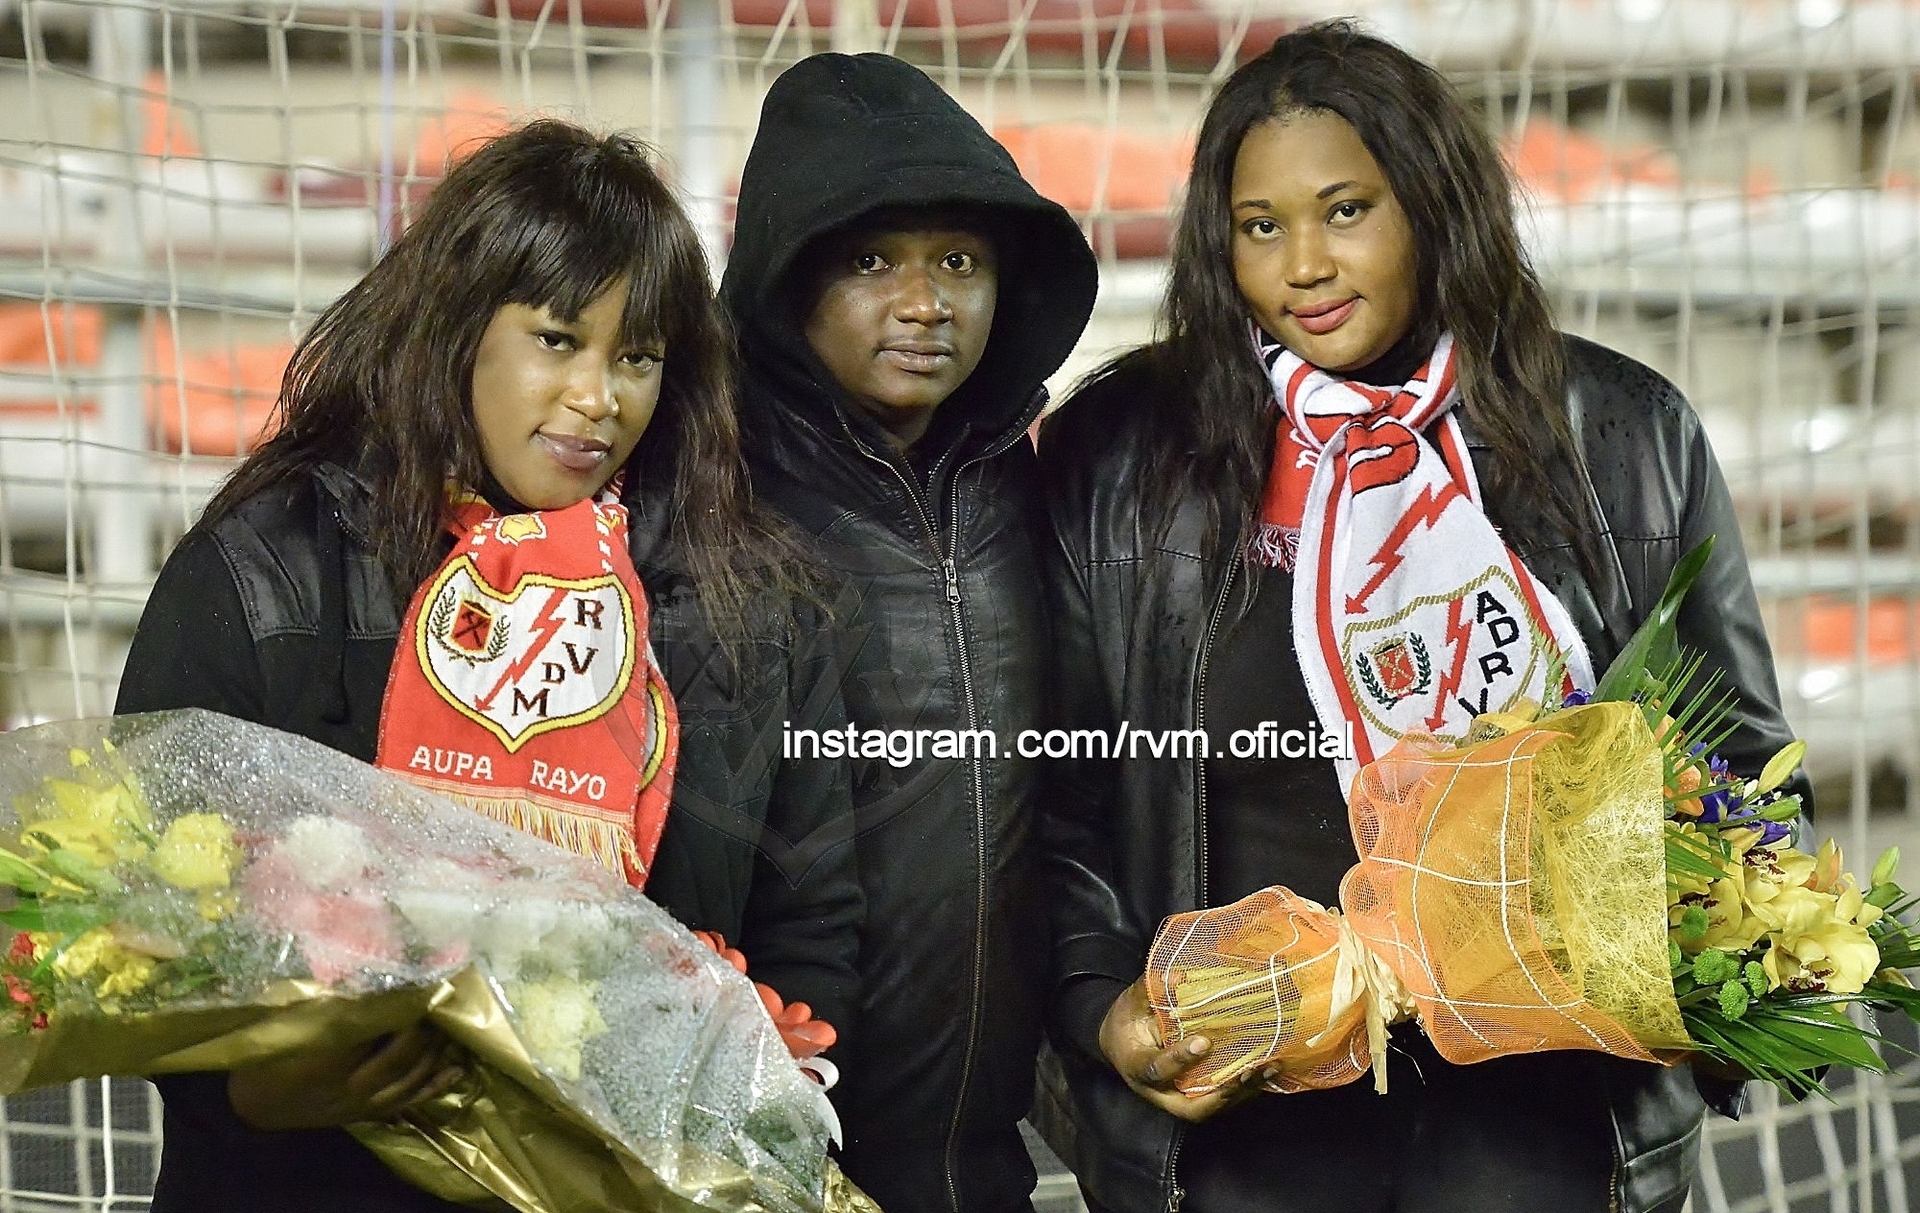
x=959, y=261
x=1261, y=227
x=564, y=343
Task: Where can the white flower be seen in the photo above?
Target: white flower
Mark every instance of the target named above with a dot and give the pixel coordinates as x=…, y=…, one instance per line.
x=557, y=1018
x=327, y=852
x=441, y=918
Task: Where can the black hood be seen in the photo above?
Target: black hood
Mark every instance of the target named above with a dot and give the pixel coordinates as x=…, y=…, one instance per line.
x=842, y=136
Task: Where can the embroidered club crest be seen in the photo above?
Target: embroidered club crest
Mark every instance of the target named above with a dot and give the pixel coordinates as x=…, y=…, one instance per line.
x=468, y=629
x=1395, y=669
x=548, y=654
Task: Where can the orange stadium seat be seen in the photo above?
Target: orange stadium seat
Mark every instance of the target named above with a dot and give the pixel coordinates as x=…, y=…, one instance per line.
x=1143, y=176
x=218, y=403
x=1830, y=626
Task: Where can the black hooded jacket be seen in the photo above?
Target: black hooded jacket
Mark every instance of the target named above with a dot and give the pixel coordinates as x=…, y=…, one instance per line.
x=938, y=551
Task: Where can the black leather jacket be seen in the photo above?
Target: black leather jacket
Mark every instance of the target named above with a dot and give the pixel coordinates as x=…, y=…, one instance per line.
x=939, y=552
x=1135, y=617
x=280, y=614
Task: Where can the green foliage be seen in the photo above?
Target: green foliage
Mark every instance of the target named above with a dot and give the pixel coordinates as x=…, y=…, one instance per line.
x=1697, y=855
x=1655, y=644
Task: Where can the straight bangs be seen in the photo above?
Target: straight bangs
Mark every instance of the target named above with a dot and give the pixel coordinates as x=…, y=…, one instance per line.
x=570, y=254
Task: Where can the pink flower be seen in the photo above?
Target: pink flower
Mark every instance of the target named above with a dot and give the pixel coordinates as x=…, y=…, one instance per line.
x=339, y=933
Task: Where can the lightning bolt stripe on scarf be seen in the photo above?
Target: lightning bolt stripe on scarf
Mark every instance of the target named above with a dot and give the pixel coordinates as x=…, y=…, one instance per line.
x=1410, y=613
x=524, y=685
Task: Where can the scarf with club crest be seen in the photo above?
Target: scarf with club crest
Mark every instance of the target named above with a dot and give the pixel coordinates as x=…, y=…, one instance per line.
x=525, y=686
x=1410, y=613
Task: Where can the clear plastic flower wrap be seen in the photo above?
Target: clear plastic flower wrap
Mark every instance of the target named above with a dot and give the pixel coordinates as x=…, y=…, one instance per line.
x=192, y=892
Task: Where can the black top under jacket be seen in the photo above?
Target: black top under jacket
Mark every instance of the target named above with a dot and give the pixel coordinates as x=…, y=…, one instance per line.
x=1140, y=605
x=1274, y=810
x=280, y=614
x=938, y=550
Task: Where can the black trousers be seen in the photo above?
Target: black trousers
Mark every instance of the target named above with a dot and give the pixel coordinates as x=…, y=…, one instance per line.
x=1513, y=1135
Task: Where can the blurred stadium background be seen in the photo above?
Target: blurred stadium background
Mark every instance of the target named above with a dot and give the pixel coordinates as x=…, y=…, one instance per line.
x=1728, y=190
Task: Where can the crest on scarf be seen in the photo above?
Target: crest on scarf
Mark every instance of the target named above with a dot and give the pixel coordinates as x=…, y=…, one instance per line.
x=1395, y=669
x=547, y=654
x=468, y=628
x=1490, y=656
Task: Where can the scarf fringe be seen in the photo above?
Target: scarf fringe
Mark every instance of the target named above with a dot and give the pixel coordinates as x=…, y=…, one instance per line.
x=608, y=843
x=1274, y=545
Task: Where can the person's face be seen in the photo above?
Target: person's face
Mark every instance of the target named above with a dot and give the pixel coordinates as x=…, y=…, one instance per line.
x=1322, y=252
x=902, y=318
x=560, y=404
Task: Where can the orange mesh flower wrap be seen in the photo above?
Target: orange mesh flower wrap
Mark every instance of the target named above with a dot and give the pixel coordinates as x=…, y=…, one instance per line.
x=1511, y=893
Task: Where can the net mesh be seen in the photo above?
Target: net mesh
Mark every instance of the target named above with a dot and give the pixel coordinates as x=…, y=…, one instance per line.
x=1724, y=189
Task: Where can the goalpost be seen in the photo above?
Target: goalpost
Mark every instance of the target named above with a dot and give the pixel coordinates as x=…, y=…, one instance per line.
x=1728, y=190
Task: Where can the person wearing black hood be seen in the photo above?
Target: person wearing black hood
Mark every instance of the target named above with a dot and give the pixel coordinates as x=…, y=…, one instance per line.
x=900, y=294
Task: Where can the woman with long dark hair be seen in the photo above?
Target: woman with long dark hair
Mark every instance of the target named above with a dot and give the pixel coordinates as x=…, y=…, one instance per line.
x=501, y=544
x=1361, y=487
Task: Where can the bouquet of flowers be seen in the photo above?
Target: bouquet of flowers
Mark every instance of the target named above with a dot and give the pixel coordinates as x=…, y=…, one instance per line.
x=189, y=892
x=1588, y=877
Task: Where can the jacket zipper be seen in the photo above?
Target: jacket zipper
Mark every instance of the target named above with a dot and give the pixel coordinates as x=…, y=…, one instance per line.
x=950, y=572
x=1200, y=723
x=1175, y=1193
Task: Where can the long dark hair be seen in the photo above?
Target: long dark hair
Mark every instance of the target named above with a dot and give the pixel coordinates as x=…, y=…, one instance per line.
x=548, y=215
x=1475, y=281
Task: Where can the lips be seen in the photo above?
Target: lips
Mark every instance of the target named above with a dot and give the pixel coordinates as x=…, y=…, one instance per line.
x=1322, y=318
x=574, y=454
x=920, y=357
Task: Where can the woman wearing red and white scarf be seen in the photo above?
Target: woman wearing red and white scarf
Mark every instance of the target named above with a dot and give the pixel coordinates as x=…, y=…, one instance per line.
x=500, y=544
x=1361, y=488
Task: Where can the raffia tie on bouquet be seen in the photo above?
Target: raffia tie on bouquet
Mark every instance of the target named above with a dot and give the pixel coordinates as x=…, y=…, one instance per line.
x=1510, y=893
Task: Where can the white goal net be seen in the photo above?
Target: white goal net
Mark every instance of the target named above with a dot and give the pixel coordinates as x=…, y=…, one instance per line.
x=1728, y=190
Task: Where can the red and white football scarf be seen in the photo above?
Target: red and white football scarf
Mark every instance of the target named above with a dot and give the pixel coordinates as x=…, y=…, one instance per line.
x=524, y=684
x=1410, y=614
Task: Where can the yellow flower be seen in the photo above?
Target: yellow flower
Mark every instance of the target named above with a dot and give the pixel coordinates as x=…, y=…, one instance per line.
x=128, y=976
x=197, y=852
x=1827, y=872
x=115, y=806
x=85, y=954
x=215, y=904
x=100, y=818
x=1730, y=925
x=116, y=971
x=1814, y=946
x=1770, y=873
x=1853, y=907
x=96, y=842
